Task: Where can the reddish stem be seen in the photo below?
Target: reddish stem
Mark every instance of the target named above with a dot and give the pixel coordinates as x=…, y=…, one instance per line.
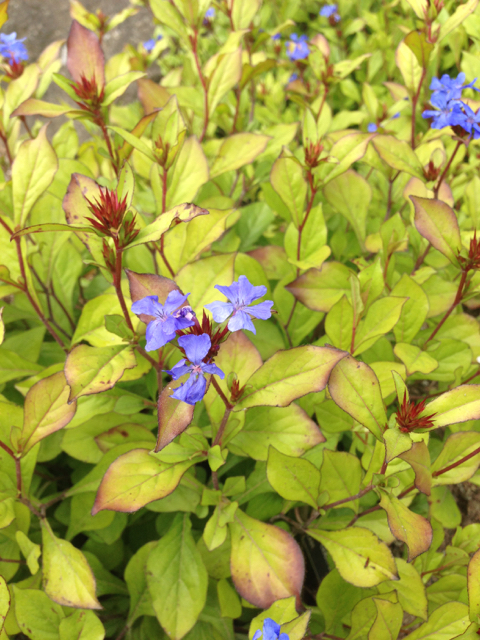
x=440, y=472
x=117, y=283
x=194, y=41
x=436, y=189
x=218, y=389
x=458, y=299
x=414, y=106
x=223, y=424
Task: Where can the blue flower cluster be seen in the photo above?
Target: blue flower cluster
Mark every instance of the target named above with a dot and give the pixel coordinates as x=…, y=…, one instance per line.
x=270, y=631
x=149, y=44
x=13, y=48
x=330, y=11
x=297, y=47
x=175, y=315
x=449, y=109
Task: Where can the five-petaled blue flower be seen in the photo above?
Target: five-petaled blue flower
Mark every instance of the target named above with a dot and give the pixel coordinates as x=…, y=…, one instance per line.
x=169, y=318
x=371, y=127
x=12, y=48
x=210, y=13
x=449, y=112
x=469, y=120
x=149, y=44
x=241, y=294
x=329, y=11
x=196, y=348
x=270, y=631
x=451, y=88
x=297, y=47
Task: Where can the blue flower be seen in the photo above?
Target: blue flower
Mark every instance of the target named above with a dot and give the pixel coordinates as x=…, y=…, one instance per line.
x=210, y=13
x=149, y=44
x=451, y=88
x=297, y=47
x=372, y=127
x=330, y=11
x=196, y=348
x=169, y=318
x=449, y=112
x=270, y=631
x=241, y=294
x=470, y=120
x=276, y=36
x=12, y=48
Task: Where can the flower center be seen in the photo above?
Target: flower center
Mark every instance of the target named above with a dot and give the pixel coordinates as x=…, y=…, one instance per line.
x=197, y=368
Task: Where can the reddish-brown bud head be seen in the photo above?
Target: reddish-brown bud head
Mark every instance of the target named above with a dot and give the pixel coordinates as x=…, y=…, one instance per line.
x=408, y=416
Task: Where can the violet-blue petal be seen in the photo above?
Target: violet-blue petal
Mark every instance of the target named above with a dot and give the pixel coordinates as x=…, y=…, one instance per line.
x=231, y=292
x=220, y=310
x=148, y=305
x=241, y=320
x=191, y=391
x=158, y=333
x=262, y=310
x=183, y=323
x=271, y=629
x=213, y=369
x=247, y=292
x=196, y=347
x=178, y=370
x=257, y=635
x=174, y=300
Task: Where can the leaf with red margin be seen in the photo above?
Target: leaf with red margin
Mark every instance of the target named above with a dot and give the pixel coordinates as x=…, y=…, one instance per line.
x=34, y=107
x=266, y=562
x=46, y=410
x=418, y=457
x=84, y=55
x=137, y=478
x=76, y=207
x=148, y=284
x=152, y=95
x=174, y=416
x=409, y=527
x=473, y=578
x=437, y=222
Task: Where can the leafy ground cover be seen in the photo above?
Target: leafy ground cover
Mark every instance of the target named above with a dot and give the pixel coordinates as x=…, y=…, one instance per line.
x=239, y=337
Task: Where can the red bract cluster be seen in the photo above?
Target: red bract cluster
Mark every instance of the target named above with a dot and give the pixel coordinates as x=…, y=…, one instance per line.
x=473, y=260
x=312, y=154
x=14, y=69
x=206, y=326
x=87, y=91
x=110, y=218
x=408, y=416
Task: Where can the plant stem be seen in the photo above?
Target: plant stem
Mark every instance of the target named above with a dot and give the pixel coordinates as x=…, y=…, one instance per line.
x=458, y=299
x=223, y=424
x=5, y=142
x=194, y=41
x=117, y=283
x=436, y=189
x=222, y=395
x=349, y=499
x=101, y=123
x=25, y=124
x=414, y=106
x=440, y=472
x=421, y=258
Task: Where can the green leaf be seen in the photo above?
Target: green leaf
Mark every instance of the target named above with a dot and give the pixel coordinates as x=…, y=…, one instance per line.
x=191, y=162
x=457, y=446
x=410, y=589
x=288, y=181
x=201, y=277
x=282, y=611
x=398, y=154
x=118, y=85
x=293, y=478
x=177, y=579
x=32, y=107
x=348, y=150
x=407, y=526
x=288, y=429
x=382, y=316
x=341, y=476
x=461, y=14
x=459, y=405
x=243, y=12
x=313, y=250
x=396, y=443
x=13, y=366
x=226, y=73
x=154, y=231
x=289, y=375
x=95, y=369
x=414, y=359
x=473, y=573
x=350, y=194
x=339, y=324
x=355, y=388
x=447, y=622
x=230, y=604
x=320, y=289
x=81, y=625
x=266, y=562
x=137, y=478
x=409, y=68
x=388, y=622
x=359, y=556
x=421, y=47
x=167, y=14
x=67, y=577
x=81, y=518
x=437, y=222
x=37, y=615
x=46, y=411
x=30, y=551
x=4, y=601
x=237, y=151
x=32, y=173
x=336, y=598
x=418, y=457
x=136, y=579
